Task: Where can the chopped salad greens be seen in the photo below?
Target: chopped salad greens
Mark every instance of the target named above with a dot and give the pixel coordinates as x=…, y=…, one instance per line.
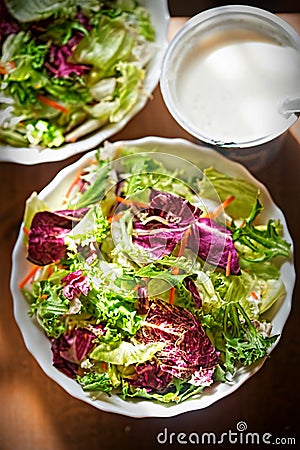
x=145, y=285
x=69, y=68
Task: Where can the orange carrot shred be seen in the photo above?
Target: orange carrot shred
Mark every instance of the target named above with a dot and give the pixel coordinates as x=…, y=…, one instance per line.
x=228, y=264
x=221, y=207
x=175, y=270
x=254, y=295
x=6, y=67
x=52, y=103
x=29, y=276
x=136, y=287
x=125, y=201
x=114, y=217
x=26, y=231
x=172, y=295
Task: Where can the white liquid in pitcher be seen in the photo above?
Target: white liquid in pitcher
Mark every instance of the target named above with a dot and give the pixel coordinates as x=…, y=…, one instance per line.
x=230, y=88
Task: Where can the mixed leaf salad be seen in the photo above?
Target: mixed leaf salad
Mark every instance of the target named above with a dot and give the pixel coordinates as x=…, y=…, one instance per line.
x=69, y=68
x=151, y=283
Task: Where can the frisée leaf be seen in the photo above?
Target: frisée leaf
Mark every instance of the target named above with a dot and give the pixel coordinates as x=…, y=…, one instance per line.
x=93, y=381
x=243, y=341
x=257, y=244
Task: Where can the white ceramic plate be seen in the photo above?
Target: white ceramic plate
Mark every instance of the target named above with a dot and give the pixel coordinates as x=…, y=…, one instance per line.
x=26, y=155
x=39, y=345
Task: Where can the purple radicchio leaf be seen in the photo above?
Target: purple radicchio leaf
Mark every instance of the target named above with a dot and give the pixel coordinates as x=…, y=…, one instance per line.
x=214, y=244
x=191, y=286
x=187, y=347
x=160, y=227
x=150, y=376
x=143, y=301
x=47, y=232
x=75, y=284
x=202, y=377
x=69, y=350
x=163, y=225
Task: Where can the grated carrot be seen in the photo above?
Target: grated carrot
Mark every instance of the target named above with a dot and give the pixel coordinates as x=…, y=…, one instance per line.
x=254, y=295
x=130, y=202
x=172, y=295
x=29, y=276
x=52, y=103
x=114, y=217
x=221, y=207
x=6, y=67
x=136, y=287
x=26, y=231
x=228, y=263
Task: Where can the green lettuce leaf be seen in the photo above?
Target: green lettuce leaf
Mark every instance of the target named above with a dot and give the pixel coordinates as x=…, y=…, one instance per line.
x=125, y=353
x=107, y=44
x=95, y=192
x=114, y=309
x=128, y=89
x=27, y=76
x=144, y=24
x=265, y=269
x=125, y=95
x=146, y=172
x=255, y=294
x=244, y=193
x=273, y=292
x=179, y=392
x=12, y=137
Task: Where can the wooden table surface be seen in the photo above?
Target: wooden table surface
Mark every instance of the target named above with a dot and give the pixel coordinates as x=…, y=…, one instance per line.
x=37, y=414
